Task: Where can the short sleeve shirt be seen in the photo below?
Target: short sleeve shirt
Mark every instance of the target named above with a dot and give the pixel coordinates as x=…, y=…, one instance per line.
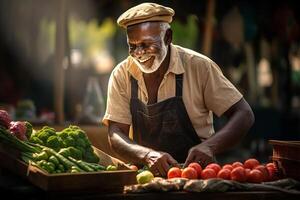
x=205, y=89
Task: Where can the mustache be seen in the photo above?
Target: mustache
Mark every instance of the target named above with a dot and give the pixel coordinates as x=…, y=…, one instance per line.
x=143, y=58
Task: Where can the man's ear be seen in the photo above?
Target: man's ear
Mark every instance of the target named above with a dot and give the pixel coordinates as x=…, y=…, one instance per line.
x=168, y=36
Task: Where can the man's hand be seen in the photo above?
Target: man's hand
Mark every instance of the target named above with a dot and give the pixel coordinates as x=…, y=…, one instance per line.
x=200, y=153
x=160, y=162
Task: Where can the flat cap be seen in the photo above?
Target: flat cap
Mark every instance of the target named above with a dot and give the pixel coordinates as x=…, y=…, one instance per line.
x=145, y=12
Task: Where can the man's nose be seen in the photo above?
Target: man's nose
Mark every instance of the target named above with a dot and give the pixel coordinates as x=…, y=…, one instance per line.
x=139, y=51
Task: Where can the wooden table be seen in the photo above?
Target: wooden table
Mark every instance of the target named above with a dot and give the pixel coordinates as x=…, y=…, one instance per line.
x=18, y=188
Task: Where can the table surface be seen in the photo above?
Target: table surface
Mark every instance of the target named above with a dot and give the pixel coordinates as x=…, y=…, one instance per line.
x=19, y=188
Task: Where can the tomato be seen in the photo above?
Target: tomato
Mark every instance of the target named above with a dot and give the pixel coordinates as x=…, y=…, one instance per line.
x=174, y=172
x=224, y=174
x=189, y=173
x=271, y=167
x=264, y=171
x=227, y=166
x=247, y=171
x=255, y=176
x=251, y=163
x=237, y=164
x=208, y=173
x=197, y=167
x=216, y=167
x=133, y=167
x=238, y=174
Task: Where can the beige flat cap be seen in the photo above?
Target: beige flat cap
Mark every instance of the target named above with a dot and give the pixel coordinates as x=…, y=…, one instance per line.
x=145, y=12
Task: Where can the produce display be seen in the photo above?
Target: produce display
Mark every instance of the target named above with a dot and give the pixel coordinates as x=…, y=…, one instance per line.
x=66, y=151
x=251, y=171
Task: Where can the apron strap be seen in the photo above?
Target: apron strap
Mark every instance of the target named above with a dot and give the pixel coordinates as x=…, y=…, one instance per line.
x=179, y=79
x=134, y=88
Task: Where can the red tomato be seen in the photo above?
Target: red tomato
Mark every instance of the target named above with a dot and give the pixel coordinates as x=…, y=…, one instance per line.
x=255, y=176
x=272, y=173
x=208, y=173
x=271, y=165
x=251, y=163
x=237, y=164
x=197, y=167
x=238, y=174
x=189, y=173
x=214, y=166
x=264, y=171
x=133, y=167
x=174, y=172
x=227, y=166
x=224, y=174
x=247, y=171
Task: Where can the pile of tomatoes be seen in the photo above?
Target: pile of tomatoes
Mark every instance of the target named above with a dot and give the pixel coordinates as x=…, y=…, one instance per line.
x=250, y=171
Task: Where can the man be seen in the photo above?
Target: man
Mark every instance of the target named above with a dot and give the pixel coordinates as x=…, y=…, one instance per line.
x=168, y=94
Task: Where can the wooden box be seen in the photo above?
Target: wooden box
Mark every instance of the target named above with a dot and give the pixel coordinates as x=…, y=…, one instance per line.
x=286, y=156
x=102, y=181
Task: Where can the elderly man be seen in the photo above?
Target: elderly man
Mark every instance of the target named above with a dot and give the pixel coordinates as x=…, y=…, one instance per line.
x=161, y=98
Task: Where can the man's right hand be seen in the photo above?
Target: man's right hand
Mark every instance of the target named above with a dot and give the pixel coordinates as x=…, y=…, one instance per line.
x=160, y=162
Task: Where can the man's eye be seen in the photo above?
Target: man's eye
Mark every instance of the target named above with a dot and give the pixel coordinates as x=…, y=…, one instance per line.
x=131, y=47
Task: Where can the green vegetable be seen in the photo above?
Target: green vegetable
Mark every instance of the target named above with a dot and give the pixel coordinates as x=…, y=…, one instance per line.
x=61, y=167
x=41, y=162
x=64, y=161
x=40, y=156
x=96, y=167
x=75, y=169
x=69, y=141
x=81, y=134
x=111, y=168
x=54, y=160
x=65, y=152
x=80, y=143
x=47, y=166
x=91, y=157
x=75, y=153
x=50, y=167
x=28, y=129
x=36, y=140
x=82, y=165
x=62, y=134
x=45, y=133
x=8, y=138
x=54, y=142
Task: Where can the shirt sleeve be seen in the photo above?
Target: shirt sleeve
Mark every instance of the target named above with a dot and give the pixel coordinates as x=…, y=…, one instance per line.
x=219, y=93
x=118, y=99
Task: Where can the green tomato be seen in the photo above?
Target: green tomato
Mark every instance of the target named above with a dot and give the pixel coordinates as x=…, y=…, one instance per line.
x=144, y=177
x=111, y=168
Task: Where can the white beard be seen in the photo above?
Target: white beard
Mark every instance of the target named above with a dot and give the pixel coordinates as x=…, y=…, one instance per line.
x=156, y=63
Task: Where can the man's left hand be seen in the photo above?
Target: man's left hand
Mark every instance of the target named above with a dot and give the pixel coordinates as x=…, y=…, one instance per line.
x=201, y=153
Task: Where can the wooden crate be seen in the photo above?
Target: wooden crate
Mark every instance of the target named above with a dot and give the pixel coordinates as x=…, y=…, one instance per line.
x=102, y=181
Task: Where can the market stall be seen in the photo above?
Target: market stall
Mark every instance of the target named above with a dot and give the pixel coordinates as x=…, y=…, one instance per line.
x=47, y=162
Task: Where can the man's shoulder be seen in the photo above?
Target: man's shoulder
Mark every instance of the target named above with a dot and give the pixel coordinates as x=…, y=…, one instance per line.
x=186, y=53
x=121, y=67
x=194, y=61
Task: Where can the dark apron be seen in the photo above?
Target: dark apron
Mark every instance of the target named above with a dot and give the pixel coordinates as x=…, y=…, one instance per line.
x=163, y=126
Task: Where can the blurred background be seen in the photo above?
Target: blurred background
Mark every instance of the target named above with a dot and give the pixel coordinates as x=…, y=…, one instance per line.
x=56, y=57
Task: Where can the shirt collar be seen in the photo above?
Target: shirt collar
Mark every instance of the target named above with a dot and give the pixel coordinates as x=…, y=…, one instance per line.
x=175, y=65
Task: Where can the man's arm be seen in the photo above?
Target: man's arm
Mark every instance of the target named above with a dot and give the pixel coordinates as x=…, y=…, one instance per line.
x=158, y=162
x=123, y=146
x=240, y=119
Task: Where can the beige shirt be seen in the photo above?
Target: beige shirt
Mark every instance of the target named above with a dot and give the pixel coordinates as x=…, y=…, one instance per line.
x=205, y=89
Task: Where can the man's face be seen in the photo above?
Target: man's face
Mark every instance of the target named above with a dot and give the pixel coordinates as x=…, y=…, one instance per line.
x=147, y=46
